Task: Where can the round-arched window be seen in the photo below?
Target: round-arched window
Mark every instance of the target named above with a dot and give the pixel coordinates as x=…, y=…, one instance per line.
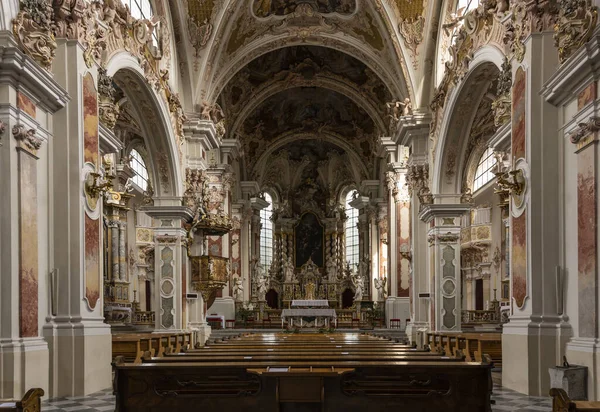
x=139, y=167
x=484, y=173
x=266, y=234
x=142, y=9
x=351, y=230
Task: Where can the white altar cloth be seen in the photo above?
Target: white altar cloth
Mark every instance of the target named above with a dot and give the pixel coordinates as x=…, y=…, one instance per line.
x=322, y=303
x=297, y=315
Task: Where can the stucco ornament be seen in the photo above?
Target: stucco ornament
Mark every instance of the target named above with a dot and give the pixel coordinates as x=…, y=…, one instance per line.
x=576, y=22
x=502, y=105
x=33, y=30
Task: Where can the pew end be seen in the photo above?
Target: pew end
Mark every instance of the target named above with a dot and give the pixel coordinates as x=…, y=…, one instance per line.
x=562, y=403
x=31, y=401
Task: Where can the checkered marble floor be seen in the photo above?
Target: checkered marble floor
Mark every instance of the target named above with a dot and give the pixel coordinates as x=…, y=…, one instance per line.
x=506, y=400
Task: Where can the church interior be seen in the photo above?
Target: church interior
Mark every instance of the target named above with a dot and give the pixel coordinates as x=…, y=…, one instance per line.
x=299, y=205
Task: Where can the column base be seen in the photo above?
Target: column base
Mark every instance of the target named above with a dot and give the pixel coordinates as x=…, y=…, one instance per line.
x=529, y=349
x=23, y=363
x=586, y=352
x=80, y=357
x=397, y=308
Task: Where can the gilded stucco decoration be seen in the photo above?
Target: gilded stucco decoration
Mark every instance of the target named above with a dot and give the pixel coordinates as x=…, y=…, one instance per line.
x=502, y=104
x=108, y=106
x=201, y=14
x=574, y=27
x=33, y=29
x=528, y=17
x=417, y=181
x=480, y=27
x=267, y=8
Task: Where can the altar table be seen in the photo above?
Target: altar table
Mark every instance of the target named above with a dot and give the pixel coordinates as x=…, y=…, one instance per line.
x=323, y=303
x=298, y=315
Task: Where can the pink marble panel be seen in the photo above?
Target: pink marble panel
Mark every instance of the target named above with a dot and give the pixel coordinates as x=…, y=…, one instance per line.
x=24, y=103
x=28, y=270
x=92, y=226
x=586, y=96
x=519, y=225
x=403, y=231
x=587, y=243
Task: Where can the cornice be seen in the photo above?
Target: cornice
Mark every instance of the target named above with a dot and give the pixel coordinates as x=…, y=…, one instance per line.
x=581, y=68
x=168, y=212
x=412, y=126
x=20, y=70
x=204, y=130
x=109, y=143
x=429, y=212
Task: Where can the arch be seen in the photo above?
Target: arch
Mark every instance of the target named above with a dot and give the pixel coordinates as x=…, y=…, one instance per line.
x=344, y=45
x=283, y=140
x=454, y=129
x=335, y=85
x=158, y=134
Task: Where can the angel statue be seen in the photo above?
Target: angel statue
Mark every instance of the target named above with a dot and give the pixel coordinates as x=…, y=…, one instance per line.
x=359, y=286
x=381, y=287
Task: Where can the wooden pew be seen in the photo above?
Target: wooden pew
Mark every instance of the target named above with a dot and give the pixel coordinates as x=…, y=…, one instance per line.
x=340, y=386
x=490, y=344
x=562, y=403
x=31, y=402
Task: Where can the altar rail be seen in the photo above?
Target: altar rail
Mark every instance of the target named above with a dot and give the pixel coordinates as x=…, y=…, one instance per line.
x=144, y=318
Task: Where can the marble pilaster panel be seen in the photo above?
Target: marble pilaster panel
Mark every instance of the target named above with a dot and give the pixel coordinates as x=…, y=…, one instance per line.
x=519, y=223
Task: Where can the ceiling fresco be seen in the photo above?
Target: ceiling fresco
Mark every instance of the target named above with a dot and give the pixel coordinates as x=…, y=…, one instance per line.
x=308, y=109
x=266, y=8
x=291, y=66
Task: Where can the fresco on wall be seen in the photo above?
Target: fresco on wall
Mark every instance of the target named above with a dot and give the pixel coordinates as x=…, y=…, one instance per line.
x=309, y=239
x=586, y=248
x=28, y=265
x=265, y=8
x=519, y=224
x=92, y=225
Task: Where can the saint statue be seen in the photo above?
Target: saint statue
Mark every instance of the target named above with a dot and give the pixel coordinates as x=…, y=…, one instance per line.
x=262, y=282
x=309, y=291
x=288, y=271
x=332, y=271
x=238, y=289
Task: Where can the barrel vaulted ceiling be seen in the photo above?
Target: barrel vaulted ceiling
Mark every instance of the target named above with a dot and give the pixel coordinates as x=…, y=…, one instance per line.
x=318, y=70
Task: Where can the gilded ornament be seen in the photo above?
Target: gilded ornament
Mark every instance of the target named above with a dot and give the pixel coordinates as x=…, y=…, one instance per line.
x=575, y=26
x=33, y=30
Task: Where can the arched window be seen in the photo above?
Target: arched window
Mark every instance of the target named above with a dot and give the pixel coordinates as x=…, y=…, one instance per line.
x=142, y=9
x=139, y=167
x=484, y=174
x=467, y=5
x=351, y=230
x=266, y=234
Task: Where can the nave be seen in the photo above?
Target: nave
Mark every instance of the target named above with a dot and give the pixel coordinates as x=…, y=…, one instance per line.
x=277, y=349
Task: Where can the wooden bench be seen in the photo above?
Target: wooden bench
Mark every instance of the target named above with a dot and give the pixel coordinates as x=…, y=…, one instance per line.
x=343, y=386
x=31, y=402
x=562, y=403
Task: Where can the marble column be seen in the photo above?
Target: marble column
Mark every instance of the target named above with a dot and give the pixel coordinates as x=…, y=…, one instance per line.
x=444, y=264
x=123, y=252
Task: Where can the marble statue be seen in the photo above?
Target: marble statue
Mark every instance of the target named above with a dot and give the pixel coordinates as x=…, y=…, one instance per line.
x=288, y=271
x=332, y=271
x=238, y=289
x=262, y=283
x=381, y=286
x=359, y=285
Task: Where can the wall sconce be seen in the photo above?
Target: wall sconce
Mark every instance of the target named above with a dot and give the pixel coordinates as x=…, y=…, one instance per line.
x=513, y=184
x=94, y=185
